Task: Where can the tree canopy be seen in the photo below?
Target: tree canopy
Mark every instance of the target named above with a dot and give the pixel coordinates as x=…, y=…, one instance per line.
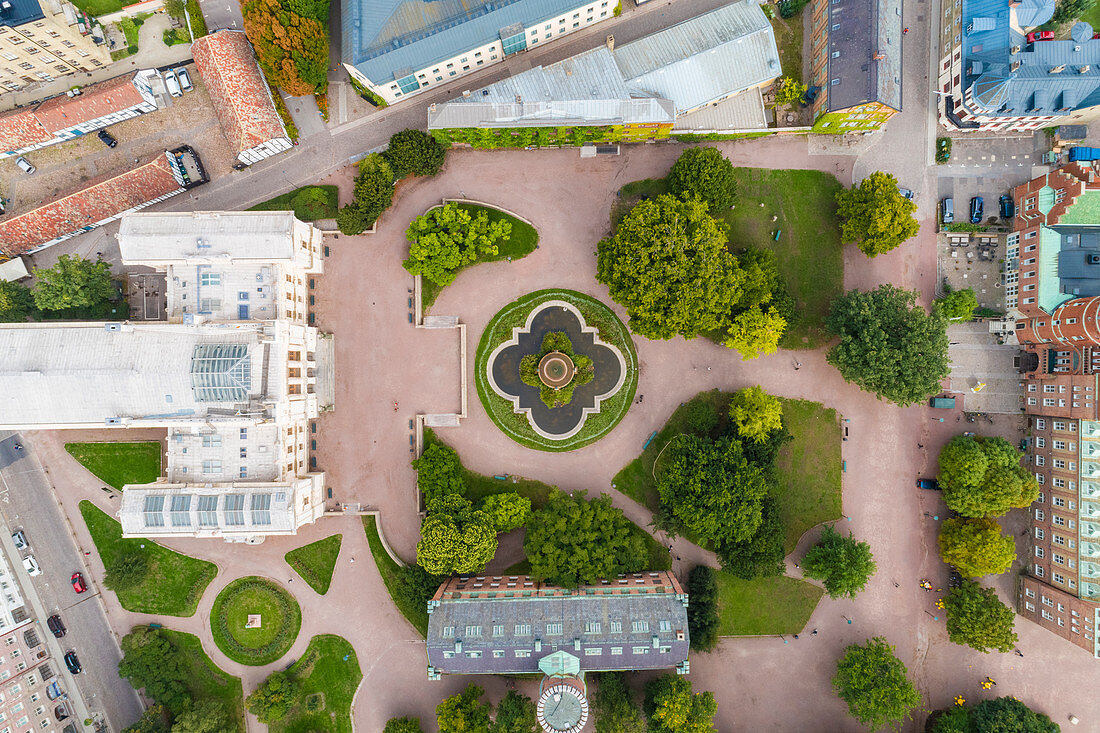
x=572, y=541
x=976, y=547
x=155, y=719
x=669, y=265
x=875, y=684
x=16, y=302
x=760, y=556
x=1067, y=10
x=448, y=238
x=464, y=712
x=889, y=344
x=958, y=305
x=455, y=537
x=73, y=282
x=982, y=477
x=439, y=472
x=704, y=173
x=977, y=618
x=756, y=413
x=291, y=43
x=414, y=153
x=515, y=714
x=403, y=725
x=150, y=662
x=272, y=700
x=672, y=707
x=373, y=194
x=507, y=511
x=613, y=706
x=875, y=215
x=208, y=716
x=1009, y=715
x=702, y=611
x=843, y=564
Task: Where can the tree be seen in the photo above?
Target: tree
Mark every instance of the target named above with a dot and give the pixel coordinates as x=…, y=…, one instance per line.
x=702, y=611
x=709, y=489
x=705, y=173
x=672, y=707
x=613, y=706
x=439, y=472
x=977, y=618
x=271, y=701
x=126, y=570
x=414, y=153
x=448, y=238
x=291, y=47
x=958, y=305
x=1067, y=10
x=756, y=331
x=875, y=215
x=507, y=511
x=73, y=282
x=789, y=91
x=152, y=663
x=208, y=716
x=762, y=555
x=16, y=302
x=155, y=719
x=455, y=537
x=756, y=413
x=174, y=8
x=403, y=725
x=888, y=344
x=515, y=714
x=415, y=586
x=702, y=417
x=373, y=194
x=841, y=563
x=953, y=720
x=1009, y=715
x=464, y=712
x=976, y=547
x=875, y=684
x=669, y=265
x=982, y=477
x=572, y=541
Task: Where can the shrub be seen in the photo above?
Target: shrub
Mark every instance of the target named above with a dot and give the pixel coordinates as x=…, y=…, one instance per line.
x=702, y=418
x=198, y=23
x=702, y=612
x=706, y=173
x=414, y=153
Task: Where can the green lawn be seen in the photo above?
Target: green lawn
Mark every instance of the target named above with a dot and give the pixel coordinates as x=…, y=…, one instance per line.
x=522, y=242
x=764, y=606
x=175, y=582
x=329, y=674
x=808, y=469
x=316, y=561
x=96, y=8
x=809, y=251
x=204, y=680
x=304, y=208
x=788, y=36
x=390, y=572
x=118, y=464
x=280, y=620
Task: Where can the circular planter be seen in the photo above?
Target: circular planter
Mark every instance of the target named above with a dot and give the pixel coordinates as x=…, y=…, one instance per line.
x=280, y=620
x=603, y=402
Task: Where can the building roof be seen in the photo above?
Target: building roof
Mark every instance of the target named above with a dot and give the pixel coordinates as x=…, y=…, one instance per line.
x=20, y=128
x=87, y=207
x=22, y=11
x=703, y=59
x=864, y=62
x=1007, y=77
x=236, y=508
x=508, y=624
x=744, y=111
x=388, y=39
x=221, y=236
x=240, y=94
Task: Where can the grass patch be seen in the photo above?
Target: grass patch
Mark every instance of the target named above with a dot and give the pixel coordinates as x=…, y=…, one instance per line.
x=174, y=583
x=118, y=464
x=204, y=679
x=521, y=242
x=809, y=251
x=129, y=28
x=808, y=469
x=765, y=605
x=281, y=618
x=788, y=36
x=391, y=576
x=316, y=561
x=329, y=675
x=610, y=330
x=95, y=8
x=309, y=203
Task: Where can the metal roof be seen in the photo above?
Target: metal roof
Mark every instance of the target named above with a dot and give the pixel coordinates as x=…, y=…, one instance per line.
x=706, y=58
x=22, y=11
x=1031, y=13
x=221, y=372
x=864, y=53
x=744, y=111
x=266, y=236
x=238, y=507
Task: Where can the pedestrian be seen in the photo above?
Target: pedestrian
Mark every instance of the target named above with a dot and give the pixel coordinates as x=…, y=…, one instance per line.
x=896, y=584
x=991, y=680
x=813, y=633
x=797, y=566
x=920, y=445
x=1019, y=653
x=670, y=549
x=796, y=636
x=395, y=407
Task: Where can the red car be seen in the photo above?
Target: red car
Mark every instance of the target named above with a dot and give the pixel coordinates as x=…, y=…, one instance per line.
x=1040, y=36
x=78, y=583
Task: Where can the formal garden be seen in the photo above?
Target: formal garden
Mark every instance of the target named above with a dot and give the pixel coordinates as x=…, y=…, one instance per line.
x=254, y=621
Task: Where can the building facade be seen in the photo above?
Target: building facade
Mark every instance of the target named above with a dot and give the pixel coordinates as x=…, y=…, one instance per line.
x=41, y=40
x=855, y=63
x=396, y=48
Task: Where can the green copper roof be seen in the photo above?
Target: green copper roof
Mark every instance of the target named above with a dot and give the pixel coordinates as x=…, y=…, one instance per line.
x=560, y=663
x=1084, y=212
x=1046, y=199
x=1050, y=284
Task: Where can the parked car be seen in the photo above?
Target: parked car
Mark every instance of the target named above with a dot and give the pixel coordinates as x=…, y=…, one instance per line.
x=55, y=626
x=977, y=208
x=947, y=211
x=172, y=83
x=907, y=193
x=1008, y=207
x=19, y=539
x=72, y=662
x=22, y=163
x=928, y=483
x=1040, y=36
x=185, y=79
x=106, y=138
x=78, y=583
x=31, y=566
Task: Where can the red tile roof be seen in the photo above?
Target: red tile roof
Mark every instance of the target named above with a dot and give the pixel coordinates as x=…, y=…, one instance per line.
x=96, y=202
x=20, y=128
x=241, y=97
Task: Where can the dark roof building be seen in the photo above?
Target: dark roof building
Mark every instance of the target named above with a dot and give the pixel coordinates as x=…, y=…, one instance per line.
x=509, y=624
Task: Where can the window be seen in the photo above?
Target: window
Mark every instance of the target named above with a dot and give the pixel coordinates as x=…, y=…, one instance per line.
x=593, y=651
x=1040, y=423
x=474, y=655
x=1029, y=592
x=592, y=627
x=639, y=627
x=1040, y=460
x=1048, y=615
x=553, y=629
x=473, y=631
x=1060, y=559
x=154, y=511
x=666, y=625
x=210, y=278
x=523, y=653
x=616, y=627
x=498, y=630
x=261, y=508
x=1038, y=551
x=1060, y=521
x=208, y=511
x=1039, y=572
x=1040, y=442
x=498, y=654
x=211, y=467
x=233, y=505
x=180, y=511
x=211, y=441
x=1038, y=533
x=616, y=651
x=448, y=632
x=1030, y=606
x=640, y=650
x=523, y=629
